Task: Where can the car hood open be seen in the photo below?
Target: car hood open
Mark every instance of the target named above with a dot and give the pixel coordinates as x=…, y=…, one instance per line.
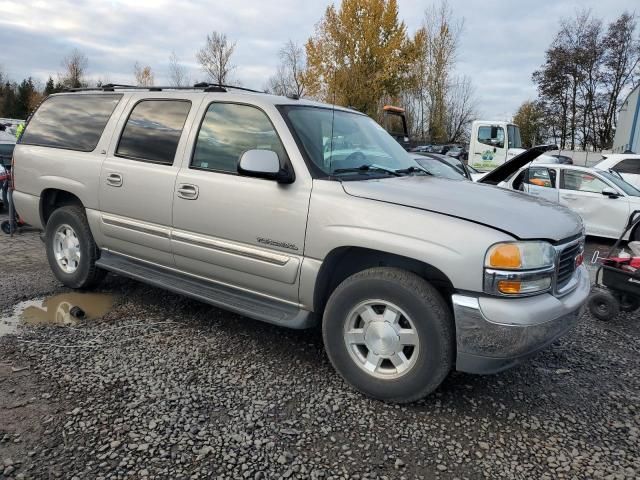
x=501, y=173
x=512, y=212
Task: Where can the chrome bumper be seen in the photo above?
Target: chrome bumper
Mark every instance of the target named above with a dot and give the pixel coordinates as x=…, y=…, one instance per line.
x=493, y=334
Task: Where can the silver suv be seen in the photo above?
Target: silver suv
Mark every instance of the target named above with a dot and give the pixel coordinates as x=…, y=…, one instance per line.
x=298, y=213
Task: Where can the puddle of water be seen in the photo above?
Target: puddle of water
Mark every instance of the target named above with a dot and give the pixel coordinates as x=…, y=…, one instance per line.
x=55, y=310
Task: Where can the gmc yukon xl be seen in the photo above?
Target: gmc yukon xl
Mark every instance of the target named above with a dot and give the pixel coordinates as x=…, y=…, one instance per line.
x=299, y=213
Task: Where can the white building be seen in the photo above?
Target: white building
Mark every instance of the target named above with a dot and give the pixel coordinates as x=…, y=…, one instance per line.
x=628, y=129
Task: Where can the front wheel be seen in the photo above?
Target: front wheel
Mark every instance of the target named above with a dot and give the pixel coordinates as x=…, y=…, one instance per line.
x=389, y=333
x=70, y=247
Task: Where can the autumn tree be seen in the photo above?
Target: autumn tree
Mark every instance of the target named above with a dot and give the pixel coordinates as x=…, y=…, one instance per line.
x=530, y=119
x=359, y=55
x=460, y=109
x=215, y=57
x=143, y=75
x=178, y=76
x=75, y=66
x=290, y=78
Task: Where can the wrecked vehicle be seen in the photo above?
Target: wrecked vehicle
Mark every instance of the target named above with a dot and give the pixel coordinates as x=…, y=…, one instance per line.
x=299, y=213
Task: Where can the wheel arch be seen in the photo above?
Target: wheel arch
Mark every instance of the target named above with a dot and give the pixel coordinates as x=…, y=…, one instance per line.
x=54, y=198
x=342, y=262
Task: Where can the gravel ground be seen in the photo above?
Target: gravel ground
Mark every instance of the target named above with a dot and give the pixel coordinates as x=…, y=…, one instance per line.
x=165, y=387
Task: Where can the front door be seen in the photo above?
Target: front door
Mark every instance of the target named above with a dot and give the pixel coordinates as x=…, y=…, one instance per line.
x=137, y=179
x=241, y=231
x=490, y=149
x=603, y=216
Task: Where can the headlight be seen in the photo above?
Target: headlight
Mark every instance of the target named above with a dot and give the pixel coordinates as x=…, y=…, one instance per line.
x=519, y=268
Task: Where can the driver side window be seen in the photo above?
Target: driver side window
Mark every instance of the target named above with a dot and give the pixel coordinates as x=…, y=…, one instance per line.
x=491, y=135
x=541, y=177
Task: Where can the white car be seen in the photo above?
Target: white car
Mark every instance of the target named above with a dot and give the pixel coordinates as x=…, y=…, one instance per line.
x=626, y=164
x=603, y=200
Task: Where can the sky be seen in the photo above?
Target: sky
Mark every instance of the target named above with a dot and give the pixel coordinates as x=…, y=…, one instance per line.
x=502, y=43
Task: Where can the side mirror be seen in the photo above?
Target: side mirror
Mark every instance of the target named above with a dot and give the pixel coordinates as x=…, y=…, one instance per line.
x=263, y=164
x=610, y=192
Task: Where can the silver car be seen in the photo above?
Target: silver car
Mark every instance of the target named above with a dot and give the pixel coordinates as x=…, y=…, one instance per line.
x=299, y=213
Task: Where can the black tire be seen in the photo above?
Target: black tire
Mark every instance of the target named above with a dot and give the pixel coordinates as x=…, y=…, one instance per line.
x=603, y=305
x=635, y=235
x=628, y=303
x=86, y=275
x=429, y=313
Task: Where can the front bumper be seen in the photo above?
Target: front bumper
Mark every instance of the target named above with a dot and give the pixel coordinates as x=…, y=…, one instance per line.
x=493, y=334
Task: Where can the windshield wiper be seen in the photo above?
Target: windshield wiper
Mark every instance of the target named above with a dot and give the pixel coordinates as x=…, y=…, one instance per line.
x=367, y=168
x=409, y=170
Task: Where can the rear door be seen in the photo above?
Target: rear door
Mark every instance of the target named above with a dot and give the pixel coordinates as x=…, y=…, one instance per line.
x=138, y=176
x=542, y=182
x=582, y=192
x=242, y=231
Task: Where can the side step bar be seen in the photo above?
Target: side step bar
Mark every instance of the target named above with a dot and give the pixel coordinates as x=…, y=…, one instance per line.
x=225, y=297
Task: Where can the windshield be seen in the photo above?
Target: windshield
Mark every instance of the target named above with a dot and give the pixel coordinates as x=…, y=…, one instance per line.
x=514, y=136
x=440, y=168
x=621, y=184
x=335, y=141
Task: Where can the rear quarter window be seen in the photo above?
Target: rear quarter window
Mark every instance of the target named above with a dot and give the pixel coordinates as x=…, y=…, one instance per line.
x=73, y=122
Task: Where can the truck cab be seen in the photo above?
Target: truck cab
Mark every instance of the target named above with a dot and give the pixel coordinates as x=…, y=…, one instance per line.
x=493, y=143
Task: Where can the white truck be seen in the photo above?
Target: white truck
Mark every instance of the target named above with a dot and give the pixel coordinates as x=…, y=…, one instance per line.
x=493, y=143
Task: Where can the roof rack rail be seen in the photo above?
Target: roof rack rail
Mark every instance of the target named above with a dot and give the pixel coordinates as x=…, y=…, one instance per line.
x=207, y=87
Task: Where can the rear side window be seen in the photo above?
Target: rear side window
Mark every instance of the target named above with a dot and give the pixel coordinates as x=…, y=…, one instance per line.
x=228, y=130
x=630, y=165
x=73, y=122
x=153, y=131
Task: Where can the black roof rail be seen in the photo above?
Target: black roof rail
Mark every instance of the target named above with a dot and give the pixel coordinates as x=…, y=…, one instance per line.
x=207, y=87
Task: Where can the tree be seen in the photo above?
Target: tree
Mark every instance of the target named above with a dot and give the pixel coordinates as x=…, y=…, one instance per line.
x=620, y=69
x=290, y=76
x=178, y=76
x=143, y=75
x=27, y=98
x=461, y=110
x=49, y=87
x=441, y=36
x=585, y=73
x=75, y=66
x=530, y=119
x=215, y=57
x=359, y=55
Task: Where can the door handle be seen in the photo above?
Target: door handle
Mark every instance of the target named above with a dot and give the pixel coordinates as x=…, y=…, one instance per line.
x=114, y=179
x=188, y=191
x=569, y=197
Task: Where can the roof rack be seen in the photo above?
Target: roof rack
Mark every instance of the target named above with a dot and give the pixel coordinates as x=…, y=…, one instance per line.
x=206, y=87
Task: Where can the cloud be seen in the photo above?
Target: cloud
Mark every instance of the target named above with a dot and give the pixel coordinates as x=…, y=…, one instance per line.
x=503, y=41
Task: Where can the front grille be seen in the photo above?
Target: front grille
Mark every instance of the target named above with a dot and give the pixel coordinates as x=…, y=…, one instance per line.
x=567, y=264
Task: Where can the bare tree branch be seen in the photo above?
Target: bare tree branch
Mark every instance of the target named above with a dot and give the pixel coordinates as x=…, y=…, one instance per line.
x=215, y=57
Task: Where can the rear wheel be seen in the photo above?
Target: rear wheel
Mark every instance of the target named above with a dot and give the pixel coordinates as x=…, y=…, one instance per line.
x=389, y=333
x=603, y=305
x=70, y=247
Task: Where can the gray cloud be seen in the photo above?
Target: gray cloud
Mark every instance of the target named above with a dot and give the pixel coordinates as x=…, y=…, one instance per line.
x=502, y=44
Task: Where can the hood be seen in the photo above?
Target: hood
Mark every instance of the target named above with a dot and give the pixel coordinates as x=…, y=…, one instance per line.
x=504, y=171
x=516, y=213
